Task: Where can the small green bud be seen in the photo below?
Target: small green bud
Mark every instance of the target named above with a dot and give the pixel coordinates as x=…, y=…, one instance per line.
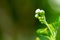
x=36, y=15
x=42, y=19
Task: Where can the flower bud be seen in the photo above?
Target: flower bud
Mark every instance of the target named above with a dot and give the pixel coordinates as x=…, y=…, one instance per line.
x=36, y=15
x=41, y=19
x=40, y=12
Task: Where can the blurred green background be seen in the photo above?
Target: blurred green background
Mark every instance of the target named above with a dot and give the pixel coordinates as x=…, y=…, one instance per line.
x=17, y=21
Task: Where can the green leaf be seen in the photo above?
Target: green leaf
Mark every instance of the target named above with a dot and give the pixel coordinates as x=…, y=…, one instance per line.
x=42, y=31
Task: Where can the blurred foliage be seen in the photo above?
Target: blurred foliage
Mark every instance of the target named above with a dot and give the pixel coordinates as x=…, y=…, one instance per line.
x=17, y=20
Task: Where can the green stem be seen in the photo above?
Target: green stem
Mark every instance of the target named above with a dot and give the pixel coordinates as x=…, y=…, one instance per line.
x=49, y=28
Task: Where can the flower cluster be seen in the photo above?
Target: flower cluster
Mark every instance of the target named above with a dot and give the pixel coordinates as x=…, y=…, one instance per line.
x=40, y=14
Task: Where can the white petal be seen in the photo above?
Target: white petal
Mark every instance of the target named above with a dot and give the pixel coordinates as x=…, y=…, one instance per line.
x=38, y=10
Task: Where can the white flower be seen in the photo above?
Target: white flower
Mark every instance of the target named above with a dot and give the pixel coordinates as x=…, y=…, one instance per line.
x=38, y=10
